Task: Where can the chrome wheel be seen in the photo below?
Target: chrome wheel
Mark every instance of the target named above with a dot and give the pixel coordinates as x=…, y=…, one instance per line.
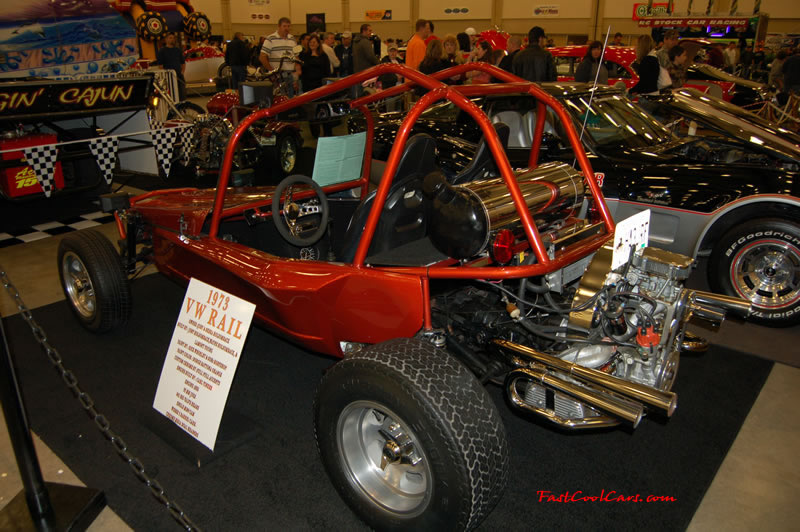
x=78, y=285
x=383, y=459
x=288, y=154
x=767, y=272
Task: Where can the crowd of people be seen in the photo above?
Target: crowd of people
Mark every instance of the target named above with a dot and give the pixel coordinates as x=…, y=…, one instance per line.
x=325, y=54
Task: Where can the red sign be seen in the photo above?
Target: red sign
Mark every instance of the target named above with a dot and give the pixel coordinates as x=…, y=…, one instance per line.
x=659, y=9
x=683, y=22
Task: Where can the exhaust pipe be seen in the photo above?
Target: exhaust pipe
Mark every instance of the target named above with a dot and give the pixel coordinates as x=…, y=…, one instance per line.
x=712, y=307
x=663, y=400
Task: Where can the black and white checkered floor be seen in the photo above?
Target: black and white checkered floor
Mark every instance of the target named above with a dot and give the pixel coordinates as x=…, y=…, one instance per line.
x=22, y=235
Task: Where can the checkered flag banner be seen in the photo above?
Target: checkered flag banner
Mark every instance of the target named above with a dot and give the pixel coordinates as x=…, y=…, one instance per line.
x=163, y=142
x=104, y=150
x=43, y=161
x=187, y=136
x=154, y=122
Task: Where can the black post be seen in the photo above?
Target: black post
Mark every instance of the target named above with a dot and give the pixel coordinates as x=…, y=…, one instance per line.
x=50, y=506
x=20, y=434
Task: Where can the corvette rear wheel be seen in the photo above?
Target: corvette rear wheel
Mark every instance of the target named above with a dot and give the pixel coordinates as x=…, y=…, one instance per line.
x=94, y=281
x=410, y=439
x=760, y=261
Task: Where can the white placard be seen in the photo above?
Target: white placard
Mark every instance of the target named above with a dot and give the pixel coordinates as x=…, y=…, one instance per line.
x=631, y=233
x=202, y=359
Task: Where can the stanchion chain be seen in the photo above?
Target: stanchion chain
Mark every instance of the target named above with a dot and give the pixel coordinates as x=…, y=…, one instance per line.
x=88, y=405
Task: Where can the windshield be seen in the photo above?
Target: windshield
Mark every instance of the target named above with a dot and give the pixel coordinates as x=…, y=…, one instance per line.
x=614, y=121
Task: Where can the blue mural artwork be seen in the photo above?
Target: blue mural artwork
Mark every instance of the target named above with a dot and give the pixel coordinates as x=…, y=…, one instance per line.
x=41, y=37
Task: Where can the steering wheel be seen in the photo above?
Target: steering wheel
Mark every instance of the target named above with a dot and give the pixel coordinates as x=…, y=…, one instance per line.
x=288, y=217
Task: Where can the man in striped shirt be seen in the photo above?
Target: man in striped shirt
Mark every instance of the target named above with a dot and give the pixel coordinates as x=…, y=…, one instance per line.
x=278, y=45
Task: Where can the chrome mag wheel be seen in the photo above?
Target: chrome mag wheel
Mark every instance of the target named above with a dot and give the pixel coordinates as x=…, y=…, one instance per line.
x=78, y=285
x=383, y=458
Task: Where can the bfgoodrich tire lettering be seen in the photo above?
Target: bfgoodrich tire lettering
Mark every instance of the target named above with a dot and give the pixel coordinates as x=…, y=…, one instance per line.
x=760, y=261
x=94, y=281
x=434, y=402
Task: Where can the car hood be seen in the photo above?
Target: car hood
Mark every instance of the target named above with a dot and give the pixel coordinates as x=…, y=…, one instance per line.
x=732, y=121
x=721, y=75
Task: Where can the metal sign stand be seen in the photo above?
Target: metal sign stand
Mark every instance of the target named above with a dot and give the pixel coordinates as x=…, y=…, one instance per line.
x=41, y=505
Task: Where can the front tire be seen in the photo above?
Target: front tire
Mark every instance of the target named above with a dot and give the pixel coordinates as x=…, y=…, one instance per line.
x=93, y=280
x=410, y=439
x=760, y=261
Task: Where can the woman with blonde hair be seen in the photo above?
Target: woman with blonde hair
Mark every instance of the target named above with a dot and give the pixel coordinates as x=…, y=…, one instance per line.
x=652, y=76
x=451, y=52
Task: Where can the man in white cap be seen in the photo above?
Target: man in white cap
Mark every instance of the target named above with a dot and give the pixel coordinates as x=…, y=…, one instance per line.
x=473, y=36
x=344, y=52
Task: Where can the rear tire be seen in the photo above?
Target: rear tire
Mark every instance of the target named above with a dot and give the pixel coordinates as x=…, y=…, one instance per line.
x=410, y=439
x=760, y=261
x=93, y=280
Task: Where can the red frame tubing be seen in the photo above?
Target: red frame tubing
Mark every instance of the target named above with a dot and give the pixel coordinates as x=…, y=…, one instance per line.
x=459, y=95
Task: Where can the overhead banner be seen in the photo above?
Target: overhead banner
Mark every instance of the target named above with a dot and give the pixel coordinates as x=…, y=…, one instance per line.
x=683, y=22
x=202, y=359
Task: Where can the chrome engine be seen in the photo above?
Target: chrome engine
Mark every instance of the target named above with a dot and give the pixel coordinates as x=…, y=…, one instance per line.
x=594, y=355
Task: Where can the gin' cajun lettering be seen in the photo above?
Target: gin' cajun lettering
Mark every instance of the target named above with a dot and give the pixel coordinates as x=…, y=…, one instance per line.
x=219, y=321
x=15, y=100
x=89, y=96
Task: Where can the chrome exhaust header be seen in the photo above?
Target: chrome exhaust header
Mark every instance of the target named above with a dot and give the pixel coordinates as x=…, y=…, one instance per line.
x=665, y=401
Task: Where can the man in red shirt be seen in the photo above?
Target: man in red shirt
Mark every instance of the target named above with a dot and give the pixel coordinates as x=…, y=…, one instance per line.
x=415, y=51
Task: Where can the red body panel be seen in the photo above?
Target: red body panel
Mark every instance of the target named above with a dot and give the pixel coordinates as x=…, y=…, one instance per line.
x=315, y=304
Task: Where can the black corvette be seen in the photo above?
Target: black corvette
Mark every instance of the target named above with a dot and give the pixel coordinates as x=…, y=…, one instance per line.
x=732, y=194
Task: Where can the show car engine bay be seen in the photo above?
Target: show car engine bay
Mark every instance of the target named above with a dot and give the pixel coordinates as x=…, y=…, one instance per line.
x=599, y=350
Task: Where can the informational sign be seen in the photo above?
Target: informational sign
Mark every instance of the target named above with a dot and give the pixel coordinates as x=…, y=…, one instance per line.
x=202, y=360
x=378, y=14
x=339, y=159
x=632, y=233
x=658, y=9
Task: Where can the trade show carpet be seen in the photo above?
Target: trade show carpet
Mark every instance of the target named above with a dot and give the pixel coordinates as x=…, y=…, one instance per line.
x=268, y=475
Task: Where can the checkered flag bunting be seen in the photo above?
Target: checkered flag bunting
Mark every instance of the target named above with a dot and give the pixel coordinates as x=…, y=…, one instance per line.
x=163, y=142
x=104, y=150
x=187, y=135
x=43, y=161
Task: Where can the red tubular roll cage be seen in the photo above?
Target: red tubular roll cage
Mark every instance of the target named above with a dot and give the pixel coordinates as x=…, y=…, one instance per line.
x=459, y=95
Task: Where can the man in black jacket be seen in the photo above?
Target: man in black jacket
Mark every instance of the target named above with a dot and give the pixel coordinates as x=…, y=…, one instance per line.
x=237, y=56
x=534, y=63
x=513, y=46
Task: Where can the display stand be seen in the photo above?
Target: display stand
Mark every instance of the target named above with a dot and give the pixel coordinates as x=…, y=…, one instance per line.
x=234, y=431
x=41, y=505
